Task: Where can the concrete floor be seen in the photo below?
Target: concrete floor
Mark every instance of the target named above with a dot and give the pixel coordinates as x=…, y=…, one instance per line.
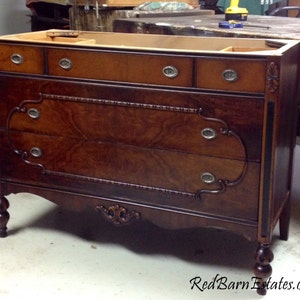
x=51, y=253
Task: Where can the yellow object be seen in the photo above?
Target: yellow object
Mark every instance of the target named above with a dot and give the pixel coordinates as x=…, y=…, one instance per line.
x=234, y=12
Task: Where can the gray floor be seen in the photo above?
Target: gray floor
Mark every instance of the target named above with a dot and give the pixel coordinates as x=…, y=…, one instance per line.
x=56, y=254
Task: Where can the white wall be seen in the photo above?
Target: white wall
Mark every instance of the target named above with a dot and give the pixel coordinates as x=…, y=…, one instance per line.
x=14, y=17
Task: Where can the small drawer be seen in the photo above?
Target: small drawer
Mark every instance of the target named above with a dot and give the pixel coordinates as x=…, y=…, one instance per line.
x=231, y=74
x=22, y=59
x=135, y=68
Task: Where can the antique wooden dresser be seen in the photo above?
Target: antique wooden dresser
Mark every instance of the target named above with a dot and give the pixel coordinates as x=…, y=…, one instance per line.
x=181, y=131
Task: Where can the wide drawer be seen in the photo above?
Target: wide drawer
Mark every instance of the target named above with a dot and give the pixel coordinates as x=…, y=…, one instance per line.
x=154, y=118
x=21, y=59
x=133, y=68
x=194, y=182
x=148, y=126
x=137, y=124
x=243, y=75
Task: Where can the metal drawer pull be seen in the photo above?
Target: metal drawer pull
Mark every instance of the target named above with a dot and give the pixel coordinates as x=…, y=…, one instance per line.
x=36, y=152
x=65, y=63
x=208, y=133
x=170, y=71
x=17, y=58
x=208, y=177
x=33, y=113
x=230, y=75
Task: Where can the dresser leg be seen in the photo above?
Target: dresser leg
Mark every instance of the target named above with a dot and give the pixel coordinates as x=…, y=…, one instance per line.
x=262, y=268
x=4, y=216
x=284, y=221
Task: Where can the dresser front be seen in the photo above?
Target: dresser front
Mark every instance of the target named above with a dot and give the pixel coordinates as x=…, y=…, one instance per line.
x=180, y=139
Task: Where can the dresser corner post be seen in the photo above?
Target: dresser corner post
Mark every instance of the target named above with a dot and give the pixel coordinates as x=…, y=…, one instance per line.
x=4, y=216
x=262, y=268
x=284, y=220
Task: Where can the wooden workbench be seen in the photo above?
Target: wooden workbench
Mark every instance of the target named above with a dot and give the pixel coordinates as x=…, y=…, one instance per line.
x=208, y=25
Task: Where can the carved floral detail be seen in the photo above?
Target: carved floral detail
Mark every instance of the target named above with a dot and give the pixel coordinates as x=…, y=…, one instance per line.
x=273, y=77
x=117, y=214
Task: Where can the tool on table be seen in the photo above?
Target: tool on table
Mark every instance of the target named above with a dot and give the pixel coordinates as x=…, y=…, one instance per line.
x=234, y=12
x=230, y=24
x=236, y=24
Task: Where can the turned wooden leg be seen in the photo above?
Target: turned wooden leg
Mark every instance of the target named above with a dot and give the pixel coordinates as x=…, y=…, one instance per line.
x=4, y=216
x=262, y=268
x=284, y=221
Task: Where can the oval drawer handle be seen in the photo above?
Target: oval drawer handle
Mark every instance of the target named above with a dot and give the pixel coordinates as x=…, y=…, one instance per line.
x=208, y=177
x=65, y=63
x=230, y=75
x=208, y=133
x=17, y=58
x=33, y=113
x=170, y=71
x=36, y=152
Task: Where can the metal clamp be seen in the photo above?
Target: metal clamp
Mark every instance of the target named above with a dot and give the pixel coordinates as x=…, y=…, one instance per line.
x=230, y=75
x=17, y=59
x=170, y=71
x=65, y=63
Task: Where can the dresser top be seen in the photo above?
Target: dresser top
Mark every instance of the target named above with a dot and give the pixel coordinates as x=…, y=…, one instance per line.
x=152, y=42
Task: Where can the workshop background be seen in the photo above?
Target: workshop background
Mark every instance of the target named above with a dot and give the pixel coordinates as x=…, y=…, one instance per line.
x=14, y=17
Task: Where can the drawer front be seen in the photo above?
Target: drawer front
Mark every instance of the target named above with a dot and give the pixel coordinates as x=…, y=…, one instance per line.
x=147, y=126
x=132, y=123
x=233, y=192
x=163, y=119
x=22, y=59
x=231, y=75
x=133, y=68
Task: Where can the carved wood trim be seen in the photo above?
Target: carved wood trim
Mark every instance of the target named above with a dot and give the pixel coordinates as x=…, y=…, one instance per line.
x=121, y=103
x=224, y=183
x=114, y=182
x=117, y=214
x=273, y=77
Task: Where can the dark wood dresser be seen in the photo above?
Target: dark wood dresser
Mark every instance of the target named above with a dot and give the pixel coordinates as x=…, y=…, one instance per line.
x=181, y=131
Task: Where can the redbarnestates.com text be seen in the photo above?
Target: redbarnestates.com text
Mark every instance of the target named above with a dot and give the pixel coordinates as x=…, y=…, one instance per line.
x=219, y=282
